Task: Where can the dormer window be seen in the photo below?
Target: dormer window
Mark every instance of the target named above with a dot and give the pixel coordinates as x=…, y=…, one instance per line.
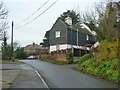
x=87, y=38
x=57, y=34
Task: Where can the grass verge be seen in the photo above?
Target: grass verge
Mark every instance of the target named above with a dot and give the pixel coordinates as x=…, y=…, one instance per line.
x=107, y=69
x=10, y=61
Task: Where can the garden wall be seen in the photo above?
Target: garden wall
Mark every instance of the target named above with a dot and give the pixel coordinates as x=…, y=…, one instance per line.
x=59, y=57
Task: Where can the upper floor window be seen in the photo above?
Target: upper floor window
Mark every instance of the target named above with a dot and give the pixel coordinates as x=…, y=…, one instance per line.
x=87, y=38
x=57, y=34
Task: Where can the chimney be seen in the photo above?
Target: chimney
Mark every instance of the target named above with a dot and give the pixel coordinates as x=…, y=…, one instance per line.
x=68, y=20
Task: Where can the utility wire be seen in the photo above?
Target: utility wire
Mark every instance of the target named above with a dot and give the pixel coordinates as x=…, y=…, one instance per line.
x=33, y=12
x=40, y=13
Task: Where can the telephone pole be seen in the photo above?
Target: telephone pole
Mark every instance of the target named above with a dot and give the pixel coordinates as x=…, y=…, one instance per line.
x=4, y=47
x=12, y=40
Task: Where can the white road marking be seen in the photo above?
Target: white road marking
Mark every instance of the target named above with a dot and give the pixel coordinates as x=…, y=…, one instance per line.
x=42, y=79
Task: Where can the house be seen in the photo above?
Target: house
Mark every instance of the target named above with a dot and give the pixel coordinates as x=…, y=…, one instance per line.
x=64, y=35
x=35, y=49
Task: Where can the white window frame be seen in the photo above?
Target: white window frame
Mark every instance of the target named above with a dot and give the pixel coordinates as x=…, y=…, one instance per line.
x=57, y=34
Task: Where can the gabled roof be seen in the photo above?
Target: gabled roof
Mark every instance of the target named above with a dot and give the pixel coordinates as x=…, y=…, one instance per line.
x=75, y=27
x=33, y=46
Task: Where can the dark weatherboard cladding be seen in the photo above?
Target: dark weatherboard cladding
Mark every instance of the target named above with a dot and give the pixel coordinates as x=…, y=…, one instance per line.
x=58, y=26
x=69, y=35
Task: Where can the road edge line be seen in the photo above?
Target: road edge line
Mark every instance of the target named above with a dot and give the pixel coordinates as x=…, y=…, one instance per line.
x=42, y=79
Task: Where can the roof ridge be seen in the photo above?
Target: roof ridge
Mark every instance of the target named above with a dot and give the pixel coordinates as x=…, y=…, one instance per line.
x=81, y=28
x=62, y=21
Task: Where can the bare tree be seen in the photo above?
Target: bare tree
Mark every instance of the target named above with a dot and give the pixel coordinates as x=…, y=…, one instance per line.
x=104, y=16
x=108, y=28
x=93, y=13
x=3, y=22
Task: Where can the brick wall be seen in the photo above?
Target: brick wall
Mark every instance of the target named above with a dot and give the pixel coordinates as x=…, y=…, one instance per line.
x=59, y=57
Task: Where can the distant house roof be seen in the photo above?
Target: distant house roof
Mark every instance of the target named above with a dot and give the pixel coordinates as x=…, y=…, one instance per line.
x=33, y=46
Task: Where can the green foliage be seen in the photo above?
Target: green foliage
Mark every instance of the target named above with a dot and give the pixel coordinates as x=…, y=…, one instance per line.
x=73, y=15
x=115, y=76
x=108, y=29
x=10, y=61
x=106, y=69
x=84, y=58
x=110, y=50
x=20, y=53
x=69, y=56
x=46, y=41
x=42, y=53
x=106, y=62
x=75, y=62
x=90, y=69
x=109, y=72
x=6, y=50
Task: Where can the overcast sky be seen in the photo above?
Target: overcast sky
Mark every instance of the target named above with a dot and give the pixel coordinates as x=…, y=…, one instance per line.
x=35, y=31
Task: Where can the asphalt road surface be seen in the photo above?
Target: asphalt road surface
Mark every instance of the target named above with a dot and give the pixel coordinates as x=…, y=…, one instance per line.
x=61, y=76
x=27, y=78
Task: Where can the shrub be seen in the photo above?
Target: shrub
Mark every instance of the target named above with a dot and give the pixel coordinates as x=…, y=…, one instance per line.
x=112, y=64
x=90, y=69
x=107, y=50
x=109, y=72
x=96, y=71
x=20, y=53
x=105, y=64
x=88, y=62
x=115, y=75
x=84, y=58
x=69, y=56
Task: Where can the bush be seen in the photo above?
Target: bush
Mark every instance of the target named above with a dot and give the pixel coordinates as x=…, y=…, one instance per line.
x=20, y=53
x=115, y=76
x=88, y=64
x=109, y=72
x=84, y=58
x=105, y=64
x=69, y=56
x=107, y=50
x=107, y=69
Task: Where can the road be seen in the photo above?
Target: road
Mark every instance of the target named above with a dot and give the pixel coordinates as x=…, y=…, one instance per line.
x=61, y=76
x=27, y=78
